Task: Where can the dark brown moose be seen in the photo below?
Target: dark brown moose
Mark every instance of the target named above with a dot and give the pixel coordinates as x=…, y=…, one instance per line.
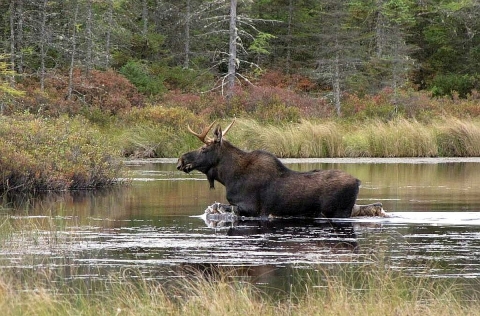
x=258, y=184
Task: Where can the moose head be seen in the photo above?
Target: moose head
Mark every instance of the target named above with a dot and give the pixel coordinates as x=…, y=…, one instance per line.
x=207, y=157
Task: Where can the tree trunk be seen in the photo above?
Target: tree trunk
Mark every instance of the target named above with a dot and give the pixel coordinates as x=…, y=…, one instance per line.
x=145, y=18
x=379, y=30
x=19, y=37
x=396, y=66
x=74, y=49
x=43, y=43
x=232, y=53
x=89, y=31
x=12, y=41
x=289, y=36
x=109, y=33
x=186, y=62
x=336, y=83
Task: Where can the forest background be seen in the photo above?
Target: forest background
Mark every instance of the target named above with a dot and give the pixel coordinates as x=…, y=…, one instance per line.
x=321, y=78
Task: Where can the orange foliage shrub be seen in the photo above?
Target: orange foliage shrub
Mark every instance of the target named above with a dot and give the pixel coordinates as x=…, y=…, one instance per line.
x=294, y=82
x=211, y=105
x=104, y=90
x=164, y=116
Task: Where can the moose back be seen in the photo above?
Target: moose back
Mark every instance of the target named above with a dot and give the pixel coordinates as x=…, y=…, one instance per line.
x=259, y=184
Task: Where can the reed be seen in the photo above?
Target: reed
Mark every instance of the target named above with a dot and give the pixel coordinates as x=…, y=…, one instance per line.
x=301, y=140
x=338, y=290
x=377, y=290
x=397, y=138
x=458, y=138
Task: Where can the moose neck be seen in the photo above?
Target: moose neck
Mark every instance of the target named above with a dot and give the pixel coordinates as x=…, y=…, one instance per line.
x=230, y=163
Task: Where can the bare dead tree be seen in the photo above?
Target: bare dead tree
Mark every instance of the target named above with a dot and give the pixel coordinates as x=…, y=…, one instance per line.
x=188, y=17
x=43, y=43
x=73, y=51
x=289, y=36
x=232, y=50
x=12, y=41
x=144, y=18
x=109, y=33
x=89, y=35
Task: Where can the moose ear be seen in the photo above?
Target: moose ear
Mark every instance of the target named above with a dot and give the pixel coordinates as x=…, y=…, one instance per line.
x=218, y=134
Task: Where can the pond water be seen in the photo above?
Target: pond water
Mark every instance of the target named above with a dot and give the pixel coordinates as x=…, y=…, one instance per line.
x=153, y=226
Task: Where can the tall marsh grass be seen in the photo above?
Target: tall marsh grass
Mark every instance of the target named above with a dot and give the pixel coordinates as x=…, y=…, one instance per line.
x=458, y=138
x=344, y=290
x=302, y=140
x=396, y=138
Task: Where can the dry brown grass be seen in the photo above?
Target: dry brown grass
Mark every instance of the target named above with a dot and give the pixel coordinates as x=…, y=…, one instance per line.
x=458, y=138
x=364, y=290
x=395, y=138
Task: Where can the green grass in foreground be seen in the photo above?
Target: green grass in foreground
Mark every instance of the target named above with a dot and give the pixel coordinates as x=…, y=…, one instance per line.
x=343, y=290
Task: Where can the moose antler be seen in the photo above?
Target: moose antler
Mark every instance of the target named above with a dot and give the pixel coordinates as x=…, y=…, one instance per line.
x=228, y=127
x=204, y=133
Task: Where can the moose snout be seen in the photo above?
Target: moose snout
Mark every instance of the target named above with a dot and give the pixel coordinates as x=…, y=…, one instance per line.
x=180, y=164
x=184, y=165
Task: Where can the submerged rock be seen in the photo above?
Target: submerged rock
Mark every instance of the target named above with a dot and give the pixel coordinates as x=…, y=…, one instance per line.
x=223, y=215
x=375, y=209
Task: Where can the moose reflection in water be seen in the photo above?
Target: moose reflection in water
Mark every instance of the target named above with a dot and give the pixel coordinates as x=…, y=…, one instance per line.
x=258, y=184
x=328, y=234
x=306, y=240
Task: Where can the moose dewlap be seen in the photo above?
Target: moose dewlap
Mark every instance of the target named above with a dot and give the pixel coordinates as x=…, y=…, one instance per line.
x=259, y=184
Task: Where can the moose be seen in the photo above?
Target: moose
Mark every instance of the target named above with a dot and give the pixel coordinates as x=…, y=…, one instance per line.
x=258, y=184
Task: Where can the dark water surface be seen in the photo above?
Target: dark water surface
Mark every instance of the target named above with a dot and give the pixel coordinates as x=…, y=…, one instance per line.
x=153, y=226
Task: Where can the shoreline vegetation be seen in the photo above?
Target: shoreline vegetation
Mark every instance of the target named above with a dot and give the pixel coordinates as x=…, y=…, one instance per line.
x=49, y=143
x=70, y=152
x=54, y=154
x=337, y=290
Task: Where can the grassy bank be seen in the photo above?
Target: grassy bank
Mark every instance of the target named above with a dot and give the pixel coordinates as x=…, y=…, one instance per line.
x=449, y=137
x=346, y=290
x=54, y=154
x=396, y=138
x=66, y=153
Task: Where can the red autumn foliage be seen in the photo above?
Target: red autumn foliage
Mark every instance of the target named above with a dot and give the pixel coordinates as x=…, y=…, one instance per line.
x=295, y=82
x=107, y=91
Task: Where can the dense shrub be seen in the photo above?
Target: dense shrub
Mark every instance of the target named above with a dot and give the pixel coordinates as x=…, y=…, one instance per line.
x=172, y=117
x=264, y=102
x=210, y=106
x=154, y=141
x=146, y=82
x=185, y=80
x=54, y=154
x=155, y=131
x=369, y=106
x=104, y=90
x=447, y=85
x=294, y=82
